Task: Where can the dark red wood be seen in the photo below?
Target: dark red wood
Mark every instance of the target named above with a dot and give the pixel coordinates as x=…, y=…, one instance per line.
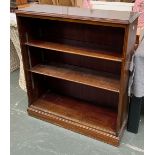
x=76, y=67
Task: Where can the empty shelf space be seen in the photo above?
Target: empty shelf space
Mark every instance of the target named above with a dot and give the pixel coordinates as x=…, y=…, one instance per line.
x=80, y=75
x=77, y=111
x=100, y=54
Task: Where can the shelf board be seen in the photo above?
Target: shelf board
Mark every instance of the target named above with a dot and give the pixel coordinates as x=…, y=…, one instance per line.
x=73, y=111
x=80, y=75
x=100, y=54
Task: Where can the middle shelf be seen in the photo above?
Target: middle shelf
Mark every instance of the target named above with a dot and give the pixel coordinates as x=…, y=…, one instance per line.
x=80, y=75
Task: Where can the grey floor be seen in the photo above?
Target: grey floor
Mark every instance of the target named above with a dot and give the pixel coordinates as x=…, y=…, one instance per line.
x=30, y=136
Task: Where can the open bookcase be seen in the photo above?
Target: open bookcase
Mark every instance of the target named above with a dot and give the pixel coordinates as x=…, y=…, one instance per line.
x=76, y=67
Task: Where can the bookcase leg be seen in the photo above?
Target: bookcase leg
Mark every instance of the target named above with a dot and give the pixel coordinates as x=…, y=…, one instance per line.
x=134, y=114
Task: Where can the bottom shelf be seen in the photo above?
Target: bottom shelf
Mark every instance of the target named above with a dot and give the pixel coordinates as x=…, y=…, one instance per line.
x=94, y=121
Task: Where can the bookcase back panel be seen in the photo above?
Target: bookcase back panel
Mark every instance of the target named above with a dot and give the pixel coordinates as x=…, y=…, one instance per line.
x=77, y=34
x=86, y=93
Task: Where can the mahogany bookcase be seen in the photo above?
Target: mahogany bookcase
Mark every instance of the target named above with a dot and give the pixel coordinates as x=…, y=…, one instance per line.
x=76, y=67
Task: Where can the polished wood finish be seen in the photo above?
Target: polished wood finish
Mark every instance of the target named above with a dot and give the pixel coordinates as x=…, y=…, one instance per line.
x=79, y=14
x=79, y=75
x=76, y=67
x=77, y=111
x=100, y=54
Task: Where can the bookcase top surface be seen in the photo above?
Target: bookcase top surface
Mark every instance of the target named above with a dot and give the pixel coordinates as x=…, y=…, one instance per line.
x=108, y=16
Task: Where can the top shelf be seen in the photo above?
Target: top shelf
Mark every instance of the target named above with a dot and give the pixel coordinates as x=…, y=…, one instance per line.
x=99, y=54
x=83, y=14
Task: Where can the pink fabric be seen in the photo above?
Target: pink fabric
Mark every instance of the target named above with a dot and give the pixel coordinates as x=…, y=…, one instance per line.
x=86, y=4
x=139, y=7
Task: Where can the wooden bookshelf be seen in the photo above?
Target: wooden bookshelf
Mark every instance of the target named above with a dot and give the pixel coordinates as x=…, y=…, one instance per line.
x=80, y=75
x=76, y=111
x=100, y=54
x=76, y=67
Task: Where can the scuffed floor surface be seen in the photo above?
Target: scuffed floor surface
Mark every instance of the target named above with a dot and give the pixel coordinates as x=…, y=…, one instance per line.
x=30, y=136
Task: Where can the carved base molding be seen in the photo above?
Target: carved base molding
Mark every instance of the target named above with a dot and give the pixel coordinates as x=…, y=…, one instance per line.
x=75, y=126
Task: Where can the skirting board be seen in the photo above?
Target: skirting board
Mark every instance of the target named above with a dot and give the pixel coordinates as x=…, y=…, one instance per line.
x=77, y=127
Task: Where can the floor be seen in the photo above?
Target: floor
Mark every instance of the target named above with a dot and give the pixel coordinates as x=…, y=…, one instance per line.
x=30, y=136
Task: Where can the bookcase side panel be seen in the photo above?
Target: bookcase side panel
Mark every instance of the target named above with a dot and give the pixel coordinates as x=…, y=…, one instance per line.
x=128, y=50
x=32, y=86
